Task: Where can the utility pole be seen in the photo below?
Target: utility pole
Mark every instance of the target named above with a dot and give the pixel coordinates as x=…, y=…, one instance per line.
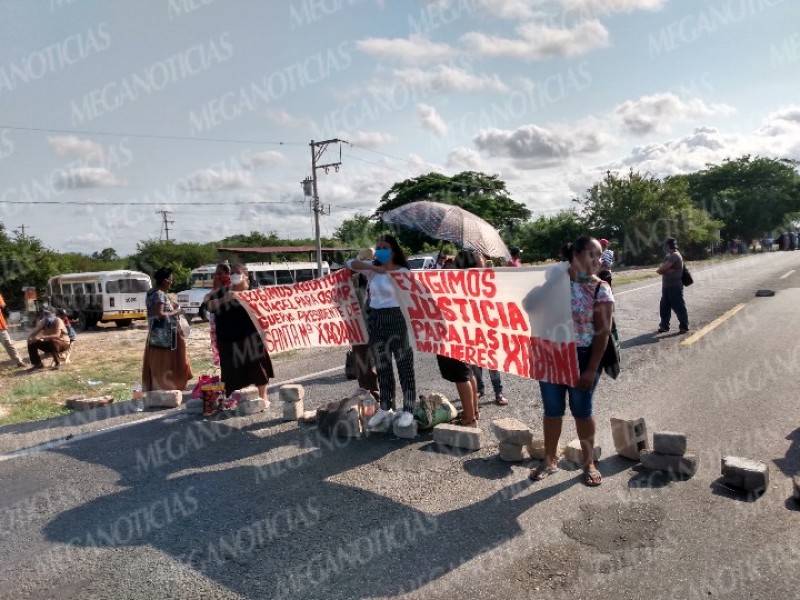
x=317, y=150
x=22, y=232
x=165, y=223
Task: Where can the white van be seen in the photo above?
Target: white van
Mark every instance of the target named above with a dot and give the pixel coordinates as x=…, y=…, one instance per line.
x=101, y=296
x=261, y=274
x=423, y=261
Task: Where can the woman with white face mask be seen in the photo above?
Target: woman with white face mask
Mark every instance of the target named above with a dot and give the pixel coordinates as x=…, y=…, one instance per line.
x=388, y=332
x=243, y=359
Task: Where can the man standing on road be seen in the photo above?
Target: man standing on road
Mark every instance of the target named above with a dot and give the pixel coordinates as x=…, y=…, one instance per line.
x=5, y=338
x=671, y=271
x=606, y=261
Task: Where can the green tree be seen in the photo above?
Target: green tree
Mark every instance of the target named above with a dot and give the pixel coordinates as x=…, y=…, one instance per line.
x=150, y=255
x=542, y=239
x=481, y=194
x=752, y=196
x=106, y=255
x=641, y=211
x=25, y=261
x=359, y=231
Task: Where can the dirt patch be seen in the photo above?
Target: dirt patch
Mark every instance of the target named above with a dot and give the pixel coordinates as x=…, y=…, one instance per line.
x=617, y=528
x=550, y=568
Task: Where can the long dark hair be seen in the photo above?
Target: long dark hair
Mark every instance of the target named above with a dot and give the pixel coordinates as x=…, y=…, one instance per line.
x=569, y=250
x=465, y=259
x=398, y=255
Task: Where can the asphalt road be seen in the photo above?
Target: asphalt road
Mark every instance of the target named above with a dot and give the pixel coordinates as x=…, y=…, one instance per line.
x=161, y=505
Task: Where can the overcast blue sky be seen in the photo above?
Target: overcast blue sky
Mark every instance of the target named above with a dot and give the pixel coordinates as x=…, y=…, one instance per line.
x=209, y=105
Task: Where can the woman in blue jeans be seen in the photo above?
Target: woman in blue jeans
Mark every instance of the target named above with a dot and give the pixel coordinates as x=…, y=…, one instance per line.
x=592, y=309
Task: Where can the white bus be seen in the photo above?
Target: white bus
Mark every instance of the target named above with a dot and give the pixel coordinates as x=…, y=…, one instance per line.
x=261, y=274
x=101, y=296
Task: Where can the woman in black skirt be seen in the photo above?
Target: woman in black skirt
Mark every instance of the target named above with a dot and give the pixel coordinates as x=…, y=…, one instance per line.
x=242, y=357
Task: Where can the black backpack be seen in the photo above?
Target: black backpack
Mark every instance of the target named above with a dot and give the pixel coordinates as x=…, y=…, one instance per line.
x=339, y=419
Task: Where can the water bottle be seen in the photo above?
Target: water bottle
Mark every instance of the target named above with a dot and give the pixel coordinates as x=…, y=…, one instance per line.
x=370, y=406
x=137, y=397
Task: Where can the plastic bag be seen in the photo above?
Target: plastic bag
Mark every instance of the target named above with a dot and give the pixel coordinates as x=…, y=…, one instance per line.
x=433, y=410
x=185, y=327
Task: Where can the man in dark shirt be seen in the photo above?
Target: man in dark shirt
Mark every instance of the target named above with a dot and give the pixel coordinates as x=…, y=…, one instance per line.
x=671, y=271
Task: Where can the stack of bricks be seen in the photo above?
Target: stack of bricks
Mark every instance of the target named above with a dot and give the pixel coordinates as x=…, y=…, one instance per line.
x=514, y=437
x=292, y=397
x=669, y=454
x=630, y=436
x=743, y=473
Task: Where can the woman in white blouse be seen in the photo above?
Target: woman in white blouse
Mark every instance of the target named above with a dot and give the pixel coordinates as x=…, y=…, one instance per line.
x=388, y=331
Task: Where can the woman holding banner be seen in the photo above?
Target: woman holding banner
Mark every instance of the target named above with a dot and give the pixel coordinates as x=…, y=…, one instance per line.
x=243, y=360
x=459, y=372
x=388, y=331
x=592, y=310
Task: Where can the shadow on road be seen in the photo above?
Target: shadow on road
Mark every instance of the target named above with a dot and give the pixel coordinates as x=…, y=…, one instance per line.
x=285, y=523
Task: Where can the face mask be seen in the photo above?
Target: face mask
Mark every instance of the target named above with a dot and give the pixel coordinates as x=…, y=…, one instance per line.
x=383, y=255
x=237, y=278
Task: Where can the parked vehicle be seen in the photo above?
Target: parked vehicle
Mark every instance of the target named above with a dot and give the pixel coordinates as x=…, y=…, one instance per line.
x=422, y=261
x=101, y=296
x=261, y=274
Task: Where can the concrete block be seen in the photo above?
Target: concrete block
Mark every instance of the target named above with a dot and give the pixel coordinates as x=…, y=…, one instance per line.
x=669, y=442
x=536, y=449
x=407, y=433
x=194, y=406
x=251, y=407
x=573, y=453
x=796, y=487
x=630, y=436
x=746, y=474
x=247, y=394
x=680, y=465
x=310, y=416
x=292, y=410
x=511, y=452
x=512, y=431
x=81, y=403
x=457, y=436
x=163, y=399
x=291, y=393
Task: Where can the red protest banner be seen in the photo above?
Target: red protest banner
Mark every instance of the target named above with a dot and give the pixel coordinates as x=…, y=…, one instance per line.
x=513, y=320
x=320, y=312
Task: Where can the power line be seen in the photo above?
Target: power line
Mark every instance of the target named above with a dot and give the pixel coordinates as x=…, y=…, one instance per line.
x=115, y=203
x=149, y=136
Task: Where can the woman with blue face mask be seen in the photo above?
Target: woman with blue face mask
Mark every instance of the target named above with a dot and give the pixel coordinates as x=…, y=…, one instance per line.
x=592, y=310
x=388, y=332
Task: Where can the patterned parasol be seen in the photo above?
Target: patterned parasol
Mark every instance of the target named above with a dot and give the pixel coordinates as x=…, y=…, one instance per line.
x=449, y=223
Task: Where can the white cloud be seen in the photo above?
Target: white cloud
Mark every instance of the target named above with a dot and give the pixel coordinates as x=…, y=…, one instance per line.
x=218, y=179
x=410, y=50
x=268, y=158
x=86, y=177
x=431, y=120
x=536, y=146
x=538, y=42
x=83, y=241
x=658, y=112
x=368, y=139
x=282, y=117
x=447, y=78
x=71, y=145
x=464, y=159
x=778, y=138
x=607, y=7
x=509, y=9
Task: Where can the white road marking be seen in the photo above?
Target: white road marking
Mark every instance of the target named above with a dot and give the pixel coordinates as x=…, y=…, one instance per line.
x=305, y=377
x=644, y=287
x=785, y=275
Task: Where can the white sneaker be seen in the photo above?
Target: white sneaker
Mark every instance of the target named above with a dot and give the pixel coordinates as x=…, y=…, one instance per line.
x=405, y=420
x=379, y=418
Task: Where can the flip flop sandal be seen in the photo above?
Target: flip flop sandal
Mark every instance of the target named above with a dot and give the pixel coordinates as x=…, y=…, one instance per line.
x=592, y=478
x=541, y=472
